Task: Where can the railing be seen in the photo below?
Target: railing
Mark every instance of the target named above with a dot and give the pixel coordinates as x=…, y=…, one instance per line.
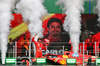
x=17, y=51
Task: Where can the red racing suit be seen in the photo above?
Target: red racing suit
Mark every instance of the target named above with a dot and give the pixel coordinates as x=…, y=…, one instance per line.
x=90, y=43
x=39, y=47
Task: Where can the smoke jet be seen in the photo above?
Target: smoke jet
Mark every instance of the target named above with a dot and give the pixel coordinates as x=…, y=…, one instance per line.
x=98, y=8
x=5, y=17
x=32, y=11
x=72, y=23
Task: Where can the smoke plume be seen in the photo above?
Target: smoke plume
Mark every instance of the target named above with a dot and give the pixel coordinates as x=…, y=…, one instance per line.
x=98, y=8
x=5, y=17
x=72, y=23
x=32, y=11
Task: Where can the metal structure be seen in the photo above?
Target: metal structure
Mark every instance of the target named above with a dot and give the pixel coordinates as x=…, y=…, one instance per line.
x=82, y=51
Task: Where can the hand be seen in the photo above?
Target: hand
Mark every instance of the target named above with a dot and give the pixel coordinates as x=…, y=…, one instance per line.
x=47, y=41
x=10, y=43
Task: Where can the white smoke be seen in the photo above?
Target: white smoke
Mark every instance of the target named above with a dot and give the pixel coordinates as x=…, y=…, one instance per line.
x=0, y=44
x=16, y=1
x=32, y=11
x=98, y=8
x=72, y=21
x=5, y=17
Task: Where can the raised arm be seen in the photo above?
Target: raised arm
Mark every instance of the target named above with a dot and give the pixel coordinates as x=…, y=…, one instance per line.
x=34, y=38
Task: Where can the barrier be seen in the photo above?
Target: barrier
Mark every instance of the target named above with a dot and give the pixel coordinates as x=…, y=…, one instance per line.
x=71, y=61
x=10, y=60
x=40, y=60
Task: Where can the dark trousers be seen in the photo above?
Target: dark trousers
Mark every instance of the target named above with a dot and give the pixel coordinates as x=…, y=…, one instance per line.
x=24, y=51
x=90, y=50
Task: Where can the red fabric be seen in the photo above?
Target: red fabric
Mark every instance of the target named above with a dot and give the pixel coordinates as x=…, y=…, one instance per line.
x=90, y=43
x=38, y=54
x=17, y=20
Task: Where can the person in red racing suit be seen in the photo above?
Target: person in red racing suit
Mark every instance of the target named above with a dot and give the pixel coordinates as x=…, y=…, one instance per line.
x=39, y=46
x=90, y=43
